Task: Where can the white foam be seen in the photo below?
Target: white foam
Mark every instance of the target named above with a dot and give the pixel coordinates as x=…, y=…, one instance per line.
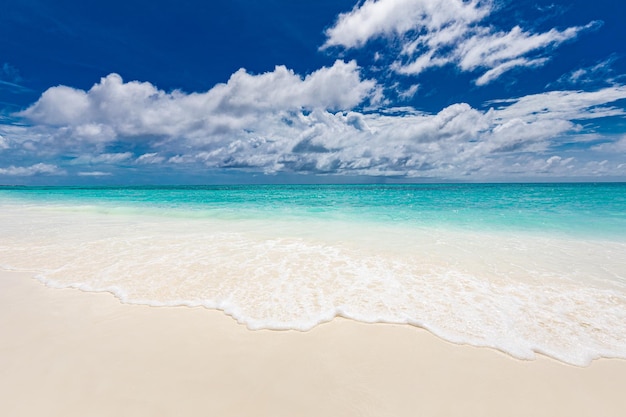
x=520, y=294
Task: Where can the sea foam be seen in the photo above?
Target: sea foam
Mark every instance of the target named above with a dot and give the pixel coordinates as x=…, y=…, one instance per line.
x=518, y=292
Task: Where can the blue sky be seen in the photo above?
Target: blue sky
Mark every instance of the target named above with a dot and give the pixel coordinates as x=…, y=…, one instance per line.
x=161, y=92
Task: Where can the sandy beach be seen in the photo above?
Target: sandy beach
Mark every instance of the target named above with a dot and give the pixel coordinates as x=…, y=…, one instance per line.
x=69, y=353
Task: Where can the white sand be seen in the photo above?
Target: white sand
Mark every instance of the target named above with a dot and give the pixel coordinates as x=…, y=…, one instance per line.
x=68, y=353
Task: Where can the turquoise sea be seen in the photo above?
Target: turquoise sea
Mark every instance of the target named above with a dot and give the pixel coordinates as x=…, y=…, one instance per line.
x=523, y=268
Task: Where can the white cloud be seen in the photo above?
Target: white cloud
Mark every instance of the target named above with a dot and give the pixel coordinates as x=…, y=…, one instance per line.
x=500, y=69
x=408, y=93
x=487, y=49
x=336, y=88
x=113, y=107
x=58, y=106
x=150, y=158
x=434, y=33
x=617, y=146
x=94, y=174
x=564, y=105
x=592, y=74
x=35, y=169
x=241, y=125
x=104, y=158
x=395, y=17
x=87, y=123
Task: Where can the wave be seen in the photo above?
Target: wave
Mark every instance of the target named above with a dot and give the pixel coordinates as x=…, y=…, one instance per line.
x=520, y=293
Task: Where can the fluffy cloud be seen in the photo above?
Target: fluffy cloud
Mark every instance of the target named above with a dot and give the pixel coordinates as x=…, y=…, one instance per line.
x=139, y=108
x=372, y=19
x=434, y=33
x=138, y=112
x=245, y=125
x=333, y=121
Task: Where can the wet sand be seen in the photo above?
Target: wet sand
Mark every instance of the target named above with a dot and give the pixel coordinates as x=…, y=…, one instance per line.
x=70, y=353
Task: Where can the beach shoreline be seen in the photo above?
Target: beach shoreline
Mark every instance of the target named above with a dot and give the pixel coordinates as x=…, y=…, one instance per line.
x=70, y=353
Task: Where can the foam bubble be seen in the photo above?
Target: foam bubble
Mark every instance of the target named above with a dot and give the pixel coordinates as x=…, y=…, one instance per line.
x=521, y=294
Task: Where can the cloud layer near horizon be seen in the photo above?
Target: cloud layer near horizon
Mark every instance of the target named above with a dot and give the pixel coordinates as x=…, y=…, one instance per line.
x=280, y=122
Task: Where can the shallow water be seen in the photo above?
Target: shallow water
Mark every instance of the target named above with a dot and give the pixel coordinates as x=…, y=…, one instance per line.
x=521, y=268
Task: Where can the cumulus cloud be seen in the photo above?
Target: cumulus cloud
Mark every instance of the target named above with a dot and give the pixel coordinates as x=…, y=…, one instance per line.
x=138, y=112
x=139, y=108
x=333, y=121
x=279, y=122
x=59, y=106
x=434, y=33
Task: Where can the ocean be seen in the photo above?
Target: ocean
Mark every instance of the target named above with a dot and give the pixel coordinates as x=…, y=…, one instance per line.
x=522, y=268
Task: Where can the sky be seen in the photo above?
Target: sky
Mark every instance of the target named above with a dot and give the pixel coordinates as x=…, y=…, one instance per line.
x=247, y=91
